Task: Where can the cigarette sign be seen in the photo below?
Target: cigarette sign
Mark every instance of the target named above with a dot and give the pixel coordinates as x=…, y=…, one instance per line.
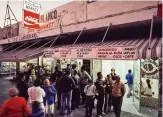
x=31, y=15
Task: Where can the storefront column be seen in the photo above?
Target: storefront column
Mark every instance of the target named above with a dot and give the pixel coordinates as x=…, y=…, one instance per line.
x=160, y=89
x=38, y=60
x=17, y=67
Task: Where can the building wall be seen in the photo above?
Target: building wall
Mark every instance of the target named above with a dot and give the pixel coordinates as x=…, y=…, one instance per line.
x=76, y=15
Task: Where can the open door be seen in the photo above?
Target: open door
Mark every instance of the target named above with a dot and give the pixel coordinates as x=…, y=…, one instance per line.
x=137, y=86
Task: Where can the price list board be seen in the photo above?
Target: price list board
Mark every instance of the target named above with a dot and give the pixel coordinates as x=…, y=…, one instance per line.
x=49, y=53
x=116, y=53
x=83, y=53
x=130, y=53
x=62, y=53
x=109, y=53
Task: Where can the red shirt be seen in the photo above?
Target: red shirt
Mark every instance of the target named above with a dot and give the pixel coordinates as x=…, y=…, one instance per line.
x=15, y=107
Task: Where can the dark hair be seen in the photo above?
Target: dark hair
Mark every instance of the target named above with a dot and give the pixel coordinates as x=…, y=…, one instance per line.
x=129, y=71
x=67, y=72
x=148, y=83
x=112, y=69
x=99, y=73
x=73, y=66
x=37, y=83
x=82, y=68
x=90, y=81
x=68, y=65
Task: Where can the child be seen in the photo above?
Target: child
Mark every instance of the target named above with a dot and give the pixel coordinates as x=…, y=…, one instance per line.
x=90, y=91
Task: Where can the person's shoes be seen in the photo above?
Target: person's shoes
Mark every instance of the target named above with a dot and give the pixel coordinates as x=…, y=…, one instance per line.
x=62, y=114
x=103, y=113
x=99, y=116
x=131, y=94
x=69, y=112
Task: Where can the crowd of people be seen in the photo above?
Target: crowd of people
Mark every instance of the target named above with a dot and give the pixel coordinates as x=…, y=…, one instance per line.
x=67, y=89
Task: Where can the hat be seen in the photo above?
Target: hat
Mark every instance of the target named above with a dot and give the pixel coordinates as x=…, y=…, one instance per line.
x=13, y=92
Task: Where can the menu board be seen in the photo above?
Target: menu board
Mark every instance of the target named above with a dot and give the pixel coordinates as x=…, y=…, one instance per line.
x=62, y=53
x=83, y=53
x=48, y=53
x=116, y=53
x=110, y=53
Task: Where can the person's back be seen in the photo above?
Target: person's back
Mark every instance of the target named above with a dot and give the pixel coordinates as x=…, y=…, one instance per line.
x=23, y=88
x=14, y=107
x=66, y=84
x=129, y=78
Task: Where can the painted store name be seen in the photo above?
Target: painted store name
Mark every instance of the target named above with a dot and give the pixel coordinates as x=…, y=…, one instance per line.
x=23, y=38
x=48, y=16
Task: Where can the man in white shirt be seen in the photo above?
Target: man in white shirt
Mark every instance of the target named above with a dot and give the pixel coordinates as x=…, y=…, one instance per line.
x=90, y=91
x=36, y=93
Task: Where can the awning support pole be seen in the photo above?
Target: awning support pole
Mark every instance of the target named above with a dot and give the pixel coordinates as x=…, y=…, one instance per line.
x=43, y=45
x=106, y=33
x=78, y=36
x=150, y=36
x=27, y=47
x=52, y=43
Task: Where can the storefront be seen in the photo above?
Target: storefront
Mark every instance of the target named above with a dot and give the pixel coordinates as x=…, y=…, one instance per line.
x=94, y=43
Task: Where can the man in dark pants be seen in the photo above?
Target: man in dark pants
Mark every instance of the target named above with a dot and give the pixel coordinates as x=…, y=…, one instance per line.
x=118, y=91
x=100, y=94
x=66, y=85
x=55, y=78
x=90, y=91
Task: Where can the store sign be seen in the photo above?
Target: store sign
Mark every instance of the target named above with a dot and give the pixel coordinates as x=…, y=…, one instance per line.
x=83, y=53
x=23, y=38
x=116, y=53
x=31, y=15
x=31, y=20
x=48, y=53
x=126, y=53
x=62, y=53
x=32, y=6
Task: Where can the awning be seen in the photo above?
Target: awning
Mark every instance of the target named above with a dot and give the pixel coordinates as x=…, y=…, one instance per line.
x=21, y=57
x=144, y=52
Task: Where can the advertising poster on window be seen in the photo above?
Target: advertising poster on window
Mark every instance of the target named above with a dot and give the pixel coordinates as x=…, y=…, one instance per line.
x=31, y=15
x=150, y=78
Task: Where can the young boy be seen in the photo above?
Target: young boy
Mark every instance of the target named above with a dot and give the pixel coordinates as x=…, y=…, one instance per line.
x=90, y=91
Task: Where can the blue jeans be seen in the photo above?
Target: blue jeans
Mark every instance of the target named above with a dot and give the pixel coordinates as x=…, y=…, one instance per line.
x=66, y=97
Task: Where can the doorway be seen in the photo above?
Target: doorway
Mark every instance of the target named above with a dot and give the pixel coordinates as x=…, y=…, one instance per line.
x=122, y=67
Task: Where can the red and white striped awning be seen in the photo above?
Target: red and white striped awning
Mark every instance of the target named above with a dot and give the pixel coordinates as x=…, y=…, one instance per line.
x=144, y=52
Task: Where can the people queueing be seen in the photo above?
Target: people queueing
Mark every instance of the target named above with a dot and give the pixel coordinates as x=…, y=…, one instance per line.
x=36, y=93
x=90, y=91
x=54, y=79
x=100, y=87
x=22, y=86
x=84, y=77
x=76, y=92
x=66, y=85
x=49, y=101
x=118, y=92
x=129, y=78
x=15, y=106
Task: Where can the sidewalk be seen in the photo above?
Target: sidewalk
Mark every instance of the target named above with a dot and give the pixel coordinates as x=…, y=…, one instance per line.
x=81, y=112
